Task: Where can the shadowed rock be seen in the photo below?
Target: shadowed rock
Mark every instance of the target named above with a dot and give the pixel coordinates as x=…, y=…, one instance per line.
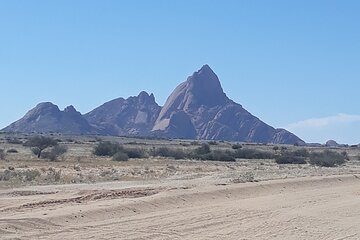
x=132, y=116
x=197, y=109
x=213, y=115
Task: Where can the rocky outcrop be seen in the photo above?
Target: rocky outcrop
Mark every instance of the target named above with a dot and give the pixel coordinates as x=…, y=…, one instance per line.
x=48, y=118
x=213, y=115
x=197, y=109
x=133, y=116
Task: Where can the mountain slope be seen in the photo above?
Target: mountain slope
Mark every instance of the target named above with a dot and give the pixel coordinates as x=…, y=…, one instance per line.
x=47, y=117
x=131, y=116
x=197, y=109
x=213, y=115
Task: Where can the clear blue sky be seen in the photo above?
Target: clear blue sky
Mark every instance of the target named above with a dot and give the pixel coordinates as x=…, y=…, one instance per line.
x=284, y=61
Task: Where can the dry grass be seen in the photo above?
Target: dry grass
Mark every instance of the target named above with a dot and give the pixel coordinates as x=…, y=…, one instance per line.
x=79, y=165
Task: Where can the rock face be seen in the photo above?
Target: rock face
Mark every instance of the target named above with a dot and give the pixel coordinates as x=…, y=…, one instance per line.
x=197, y=109
x=47, y=117
x=133, y=116
x=209, y=114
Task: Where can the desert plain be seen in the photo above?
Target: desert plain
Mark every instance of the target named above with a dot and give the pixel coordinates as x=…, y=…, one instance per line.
x=83, y=196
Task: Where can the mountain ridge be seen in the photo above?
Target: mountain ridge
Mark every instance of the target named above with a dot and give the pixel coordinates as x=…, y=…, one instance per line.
x=198, y=108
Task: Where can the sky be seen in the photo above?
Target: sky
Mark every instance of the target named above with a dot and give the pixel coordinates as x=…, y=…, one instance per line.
x=293, y=64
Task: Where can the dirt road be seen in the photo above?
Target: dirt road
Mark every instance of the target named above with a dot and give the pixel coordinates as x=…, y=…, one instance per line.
x=301, y=208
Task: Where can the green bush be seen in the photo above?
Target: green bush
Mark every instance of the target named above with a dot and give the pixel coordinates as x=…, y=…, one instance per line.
x=120, y=157
x=107, y=149
x=327, y=158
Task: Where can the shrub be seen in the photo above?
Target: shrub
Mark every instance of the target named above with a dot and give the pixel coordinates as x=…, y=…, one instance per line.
x=40, y=143
x=26, y=176
x=30, y=175
x=2, y=154
x=195, y=143
x=14, y=141
x=120, y=156
x=204, y=149
x=53, y=175
x=327, y=158
x=289, y=159
x=275, y=148
x=247, y=153
x=135, y=153
x=212, y=143
x=301, y=153
x=7, y=175
x=292, y=157
x=12, y=150
x=168, y=152
x=345, y=154
x=35, y=151
x=55, y=152
x=107, y=149
x=219, y=155
x=236, y=146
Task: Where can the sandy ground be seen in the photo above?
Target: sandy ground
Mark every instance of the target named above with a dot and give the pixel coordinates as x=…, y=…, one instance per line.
x=82, y=196
x=322, y=207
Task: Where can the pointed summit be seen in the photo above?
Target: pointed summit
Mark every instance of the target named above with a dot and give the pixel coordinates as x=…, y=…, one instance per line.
x=70, y=109
x=201, y=105
x=204, y=88
x=144, y=98
x=132, y=116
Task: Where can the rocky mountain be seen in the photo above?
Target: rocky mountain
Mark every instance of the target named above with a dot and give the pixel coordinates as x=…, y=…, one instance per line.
x=133, y=116
x=47, y=117
x=198, y=108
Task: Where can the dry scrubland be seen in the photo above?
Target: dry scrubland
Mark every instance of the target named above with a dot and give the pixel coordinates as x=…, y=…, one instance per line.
x=84, y=196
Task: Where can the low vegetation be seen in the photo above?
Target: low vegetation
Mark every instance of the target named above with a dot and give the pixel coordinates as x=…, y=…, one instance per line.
x=107, y=149
x=292, y=157
x=327, y=158
x=118, y=152
x=202, y=152
x=12, y=150
x=54, y=153
x=2, y=154
x=40, y=143
x=120, y=156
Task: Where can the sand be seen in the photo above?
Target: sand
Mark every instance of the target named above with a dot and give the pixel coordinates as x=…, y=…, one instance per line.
x=320, y=207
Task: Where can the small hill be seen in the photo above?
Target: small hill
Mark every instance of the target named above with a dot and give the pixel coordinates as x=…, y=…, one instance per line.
x=47, y=117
